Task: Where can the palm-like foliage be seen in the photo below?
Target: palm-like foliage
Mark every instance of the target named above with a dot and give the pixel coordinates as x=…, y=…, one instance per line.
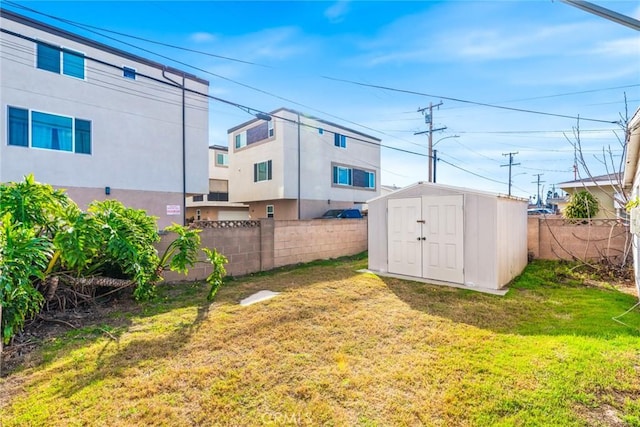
x=23, y=258
x=43, y=234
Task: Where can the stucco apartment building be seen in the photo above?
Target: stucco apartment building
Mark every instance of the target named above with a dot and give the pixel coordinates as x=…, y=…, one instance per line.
x=98, y=121
x=294, y=166
x=215, y=205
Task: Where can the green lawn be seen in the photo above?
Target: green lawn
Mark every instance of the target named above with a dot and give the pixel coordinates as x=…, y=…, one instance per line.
x=342, y=348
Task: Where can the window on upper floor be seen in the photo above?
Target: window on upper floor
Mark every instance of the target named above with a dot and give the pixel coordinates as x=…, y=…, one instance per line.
x=241, y=140
x=353, y=177
x=222, y=159
x=49, y=131
x=341, y=175
x=262, y=171
x=59, y=60
x=129, y=73
x=270, y=128
x=339, y=140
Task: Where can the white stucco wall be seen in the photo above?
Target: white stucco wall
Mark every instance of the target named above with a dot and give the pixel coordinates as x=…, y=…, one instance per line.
x=136, y=125
x=317, y=155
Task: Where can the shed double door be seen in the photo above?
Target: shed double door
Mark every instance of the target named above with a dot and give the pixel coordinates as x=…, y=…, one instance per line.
x=425, y=237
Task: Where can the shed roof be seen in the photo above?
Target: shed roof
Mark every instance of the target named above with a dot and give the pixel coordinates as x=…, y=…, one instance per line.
x=448, y=187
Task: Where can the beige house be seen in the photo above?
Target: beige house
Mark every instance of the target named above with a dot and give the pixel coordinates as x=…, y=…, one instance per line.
x=294, y=166
x=100, y=122
x=607, y=189
x=215, y=205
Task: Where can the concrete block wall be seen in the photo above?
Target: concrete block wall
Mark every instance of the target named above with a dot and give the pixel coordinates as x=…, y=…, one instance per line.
x=309, y=240
x=275, y=244
x=559, y=239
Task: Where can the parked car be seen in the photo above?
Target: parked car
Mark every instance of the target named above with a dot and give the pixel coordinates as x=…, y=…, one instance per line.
x=540, y=211
x=341, y=213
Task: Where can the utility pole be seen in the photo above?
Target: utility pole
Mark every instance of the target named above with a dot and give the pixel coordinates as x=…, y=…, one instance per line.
x=538, y=201
x=435, y=159
x=510, y=164
x=428, y=119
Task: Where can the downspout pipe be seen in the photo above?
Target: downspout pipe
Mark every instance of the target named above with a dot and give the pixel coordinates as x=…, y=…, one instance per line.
x=184, y=144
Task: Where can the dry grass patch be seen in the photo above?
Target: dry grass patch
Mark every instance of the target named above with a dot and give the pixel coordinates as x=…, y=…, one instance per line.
x=341, y=348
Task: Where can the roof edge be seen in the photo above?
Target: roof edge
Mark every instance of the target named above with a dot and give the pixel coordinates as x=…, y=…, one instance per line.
x=30, y=22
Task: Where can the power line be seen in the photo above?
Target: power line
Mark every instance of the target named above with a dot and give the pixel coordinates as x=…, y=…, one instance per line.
x=538, y=201
x=510, y=165
x=482, y=104
x=248, y=109
x=86, y=26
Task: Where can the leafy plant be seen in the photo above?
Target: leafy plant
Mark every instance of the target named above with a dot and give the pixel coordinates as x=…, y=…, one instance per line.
x=215, y=279
x=23, y=259
x=45, y=238
x=582, y=204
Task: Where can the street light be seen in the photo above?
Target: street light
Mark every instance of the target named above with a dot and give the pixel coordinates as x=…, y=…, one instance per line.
x=435, y=154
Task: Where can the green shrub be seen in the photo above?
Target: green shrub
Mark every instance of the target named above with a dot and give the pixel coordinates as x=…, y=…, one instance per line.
x=43, y=235
x=581, y=205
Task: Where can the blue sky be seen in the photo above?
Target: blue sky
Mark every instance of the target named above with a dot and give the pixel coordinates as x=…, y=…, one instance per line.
x=544, y=56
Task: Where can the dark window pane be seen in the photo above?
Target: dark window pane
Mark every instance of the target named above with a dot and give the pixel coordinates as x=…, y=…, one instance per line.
x=129, y=73
x=73, y=64
x=18, y=127
x=83, y=136
x=218, y=197
x=258, y=133
x=360, y=178
x=48, y=58
x=198, y=198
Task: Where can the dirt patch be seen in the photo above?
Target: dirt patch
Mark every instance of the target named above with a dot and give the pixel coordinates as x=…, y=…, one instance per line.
x=51, y=324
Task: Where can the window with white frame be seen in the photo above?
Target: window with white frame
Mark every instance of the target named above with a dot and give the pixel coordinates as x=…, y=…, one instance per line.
x=198, y=214
x=371, y=179
x=262, y=171
x=222, y=159
x=59, y=60
x=353, y=177
x=270, y=128
x=129, y=73
x=49, y=131
x=339, y=140
x=341, y=175
x=270, y=211
x=241, y=140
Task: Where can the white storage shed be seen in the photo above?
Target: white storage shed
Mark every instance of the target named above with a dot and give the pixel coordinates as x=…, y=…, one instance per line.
x=448, y=235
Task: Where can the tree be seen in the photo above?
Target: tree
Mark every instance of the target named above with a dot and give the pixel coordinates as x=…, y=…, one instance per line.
x=581, y=205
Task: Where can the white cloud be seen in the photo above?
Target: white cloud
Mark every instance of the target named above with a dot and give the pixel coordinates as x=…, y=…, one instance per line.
x=628, y=47
x=337, y=11
x=202, y=37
